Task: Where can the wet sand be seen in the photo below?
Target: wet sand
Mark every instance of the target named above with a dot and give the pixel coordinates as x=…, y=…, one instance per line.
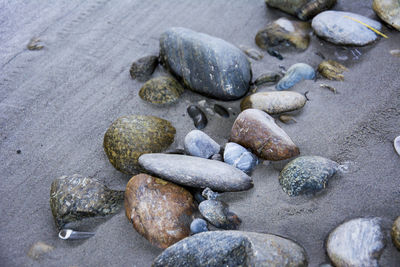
x=56, y=104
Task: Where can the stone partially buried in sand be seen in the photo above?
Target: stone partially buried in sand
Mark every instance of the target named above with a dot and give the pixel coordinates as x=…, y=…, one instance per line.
x=332, y=70
x=206, y=64
x=142, y=68
x=339, y=28
x=233, y=248
x=358, y=242
x=196, y=172
x=161, y=90
x=256, y=130
x=295, y=74
x=131, y=136
x=159, y=210
x=388, y=11
x=395, y=233
x=274, y=102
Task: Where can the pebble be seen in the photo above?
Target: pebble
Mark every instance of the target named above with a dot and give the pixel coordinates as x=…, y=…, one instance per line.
x=395, y=52
x=283, y=33
x=337, y=27
x=233, y=248
x=217, y=157
x=303, y=9
x=159, y=210
x=198, y=225
x=274, y=53
x=35, y=44
x=251, y=52
x=196, y=172
x=307, y=174
x=395, y=233
x=256, y=130
x=274, y=102
x=239, y=157
x=286, y=118
x=217, y=213
x=198, y=59
x=332, y=70
x=267, y=77
x=129, y=137
x=295, y=74
x=143, y=68
x=38, y=249
x=220, y=110
x=388, y=11
x=76, y=197
x=396, y=144
x=358, y=242
x=161, y=90
x=209, y=194
x=199, y=144
x=199, y=118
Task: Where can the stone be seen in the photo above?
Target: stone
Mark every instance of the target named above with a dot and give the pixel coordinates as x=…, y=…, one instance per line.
x=128, y=137
x=198, y=225
x=251, y=52
x=332, y=70
x=239, y=157
x=161, y=90
x=395, y=233
x=35, y=44
x=217, y=213
x=307, y=174
x=143, y=68
x=283, y=33
x=267, y=77
x=159, y=210
x=274, y=102
x=199, y=144
x=339, y=28
x=256, y=130
x=76, y=197
x=196, y=172
x=233, y=248
x=217, y=157
x=206, y=64
x=295, y=74
x=358, y=242
x=388, y=11
x=209, y=194
x=396, y=144
x=220, y=110
x=38, y=249
x=303, y=9
x=199, y=118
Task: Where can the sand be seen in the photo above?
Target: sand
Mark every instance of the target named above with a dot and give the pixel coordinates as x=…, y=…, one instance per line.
x=56, y=104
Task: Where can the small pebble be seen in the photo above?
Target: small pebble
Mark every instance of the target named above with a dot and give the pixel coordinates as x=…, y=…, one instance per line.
x=251, y=52
x=18, y=151
x=143, y=68
x=274, y=53
x=217, y=213
x=216, y=157
x=332, y=70
x=295, y=74
x=199, y=144
x=198, y=225
x=286, y=118
x=331, y=88
x=395, y=233
x=209, y=194
x=268, y=77
x=396, y=144
x=220, y=110
x=239, y=157
x=35, y=44
x=199, y=118
x=161, y=90
x=395, y=52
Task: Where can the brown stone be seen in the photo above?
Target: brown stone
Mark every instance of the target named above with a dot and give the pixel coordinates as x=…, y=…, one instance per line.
x=258, y=131
x=159, y=210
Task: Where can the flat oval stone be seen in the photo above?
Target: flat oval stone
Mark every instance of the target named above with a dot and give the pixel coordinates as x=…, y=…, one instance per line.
x=206, y=64
x=395, y=233
x=131, y=136
x=295, y=74
x=256, y=130
x=196, y=172
x=199, y=144
x=307, y=174
x=161, y=90
x=358, y=242
x=274, y=102
x=76, y=197
x=337, y=27
x=159, y=210
x=233, y=248
x=239, y=157
x=388, y=11
x=142, y=68
x=218, y=214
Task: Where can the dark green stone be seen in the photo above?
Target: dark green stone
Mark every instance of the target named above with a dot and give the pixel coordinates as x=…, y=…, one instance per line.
x=161, y=90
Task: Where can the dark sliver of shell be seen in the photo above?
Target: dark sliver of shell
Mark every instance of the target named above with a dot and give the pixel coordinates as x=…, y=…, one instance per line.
x=220, y=110
x=76, y=197
x=143, y=68
x=199, y=118
x=307, y=174
x=131, y=136
x=161, y=90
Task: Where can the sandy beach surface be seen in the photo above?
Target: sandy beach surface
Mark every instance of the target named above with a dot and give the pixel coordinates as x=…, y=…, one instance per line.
x=56, y=104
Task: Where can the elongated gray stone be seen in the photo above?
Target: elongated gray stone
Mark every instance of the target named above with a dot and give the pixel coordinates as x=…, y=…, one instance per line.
x=295, y=74
x=206, y=64
x=233, y=248
x=196, y=172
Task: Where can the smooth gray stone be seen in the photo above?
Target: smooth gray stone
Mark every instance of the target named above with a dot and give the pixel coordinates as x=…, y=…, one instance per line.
x=336, y=27
x=198, y=225
x=196, y=172
x=206, y=64
x=358, y=242
x=199, y=144
x=295, y=74
x=233, y=248
x=218, y=214
x=240, y=157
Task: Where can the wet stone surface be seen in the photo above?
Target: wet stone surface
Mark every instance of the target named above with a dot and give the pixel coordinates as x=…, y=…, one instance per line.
x=217, y=213
x=143, y=68
x=199, y=144
x=161, y=90
x=295, y=74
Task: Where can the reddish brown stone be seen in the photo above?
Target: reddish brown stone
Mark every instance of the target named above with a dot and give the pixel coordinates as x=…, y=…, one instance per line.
x=257, y=130
x=159, y=210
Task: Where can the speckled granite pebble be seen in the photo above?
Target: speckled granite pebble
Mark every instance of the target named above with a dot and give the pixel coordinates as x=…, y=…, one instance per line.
x=142, y=68
x=161, y=90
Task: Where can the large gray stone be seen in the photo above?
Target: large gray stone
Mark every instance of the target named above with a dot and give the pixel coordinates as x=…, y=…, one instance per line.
x=206, y=64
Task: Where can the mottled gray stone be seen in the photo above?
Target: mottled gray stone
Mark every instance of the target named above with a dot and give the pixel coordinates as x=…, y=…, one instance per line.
x=209, y=194
x=295, y=74
x=206, y=64
x=337, y=27
x=199, y=144
x=196, y=172
x=218, y=214
x=143, y=68
x=240, y=157
x=198, y=225
x=233, y=248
